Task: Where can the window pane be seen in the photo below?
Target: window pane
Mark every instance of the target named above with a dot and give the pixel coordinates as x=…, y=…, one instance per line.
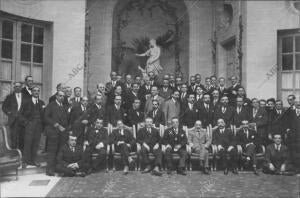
x=7, y=29
x=287, y=44
x=37, y=54
x=5, y=70
x=25, y=70
x=297, y=43
x=7, y=49
x=38, y=35
x=26, y=33
x=25, y=52
x=287, y=80
x=37, y=73
x=297, y=80
x=287, y=62
x=297, y=61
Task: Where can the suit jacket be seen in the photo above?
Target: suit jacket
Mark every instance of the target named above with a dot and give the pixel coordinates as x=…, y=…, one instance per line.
x=277, y=158
x=129, y=99
x=149, y=106
x=192, y=89
x=55, y=114
x=232, y=97
x=173, y=139
x=95, y=113
x=10, y=107
x=189, y=116
x=224, y=92
x=74, y=102
x=205, y=116
x=165, y=94
x=113, y=114
x=127, y=137
x=158, y=118
x=52, y=98
x=225, y=139
x=183, y=101
x=228, y=115
x=199, y=139
x=243, y=140
x=243, y=115
x=27, y=114
x=143, y=136
x=109, y=87
x=94, y=136
x=78, y=115
x=277, y=123
x=65, y=156
x=261, y=120
x=25, y=93
x=134, y=117
x=171, y=110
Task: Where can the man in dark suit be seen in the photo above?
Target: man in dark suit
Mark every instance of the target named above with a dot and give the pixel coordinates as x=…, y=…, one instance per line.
x=11, y=106
x=222, y=89
x=26, y=91
x=276, y=157
x=225, y=112
x=260, y=118
x=175, y=141
x=215, y=99
x=192, y=86
x=135, y=115
x=56, y=119
x=97, y=110
x=79, y=119
x=71, y=160
x=157, y=114
x=58, y=88
x=32, y=114
x=109, y=86
x=131, y=95
x=128, y=83
x=154, y=95
x=183, y=95
x=124, y=142
x=247, y=139
x=224, y=139
x=97, y=141
x=189, y=113
x=145, y=91
x=206, y=111
x=278, y=123
x=198, y=81
x=199, y=96
x=149, y=140
x=77, y=97
x=233, y=89
x=208, y=86
x=115, y=112
x=241, y=112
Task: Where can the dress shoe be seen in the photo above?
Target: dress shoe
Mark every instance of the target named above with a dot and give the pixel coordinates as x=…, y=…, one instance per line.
x=226, y=171
x=125, y=171
x=206, y=171
x=80, y=174
x=156, y=172
x=181, y=171
x=131, y=164
x=50, y=173
x=146, y=170
x=235, y=171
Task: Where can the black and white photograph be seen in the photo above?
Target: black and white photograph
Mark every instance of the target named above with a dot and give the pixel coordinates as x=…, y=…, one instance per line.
x=150, y=98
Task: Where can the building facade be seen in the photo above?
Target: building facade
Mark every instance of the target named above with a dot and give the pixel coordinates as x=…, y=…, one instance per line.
x=78, y=42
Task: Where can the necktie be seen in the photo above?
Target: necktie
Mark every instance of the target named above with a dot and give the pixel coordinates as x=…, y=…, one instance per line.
x=223, y=109
x=36, y=101
x=239, y=110
x=206, y=106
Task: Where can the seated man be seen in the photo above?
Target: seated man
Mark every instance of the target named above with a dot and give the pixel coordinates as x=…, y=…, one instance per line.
x=175, y=141
x=276, y=157
x=97, y=141
x=71, y=160
x=224, y=140
x=200, y=142
x=149, y=139
x=124, y=141
x=247, y=139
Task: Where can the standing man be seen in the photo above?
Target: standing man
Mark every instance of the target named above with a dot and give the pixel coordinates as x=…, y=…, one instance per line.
x=11, y=106
x=206, y=111
x=241, y=112
x=154, y=96
x=165, y=91
x=189, y=113
x=222, y=89
x=32, y=115
x=233, y=89
x=200, y=141
x=77, y=97
x=226, y=147
x=172, y=107
x=157, y=114
x=225, y=112
x=175, y=141
x=115, y=112
x=59, y=87
x=149, y=139
x=26, y=91
x=56, y=119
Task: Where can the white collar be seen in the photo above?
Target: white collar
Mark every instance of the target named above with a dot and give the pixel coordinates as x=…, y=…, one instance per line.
x=34, y=100
x=58, y=103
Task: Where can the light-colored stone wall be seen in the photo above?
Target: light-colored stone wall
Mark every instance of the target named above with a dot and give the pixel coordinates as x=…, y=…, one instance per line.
x=68, y=17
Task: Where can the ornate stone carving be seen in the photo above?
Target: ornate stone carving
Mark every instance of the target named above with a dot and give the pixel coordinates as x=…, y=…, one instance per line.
x=224, y=17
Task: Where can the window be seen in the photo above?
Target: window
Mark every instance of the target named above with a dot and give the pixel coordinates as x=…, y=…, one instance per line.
x=23, y=46
x=289, y=64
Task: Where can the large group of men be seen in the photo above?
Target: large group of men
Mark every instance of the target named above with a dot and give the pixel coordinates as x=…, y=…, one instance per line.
x=215, y=117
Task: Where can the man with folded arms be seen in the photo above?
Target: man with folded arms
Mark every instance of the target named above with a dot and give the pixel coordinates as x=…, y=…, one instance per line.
x=175, y=141
x=200, y=141
x=149, y=139
x=224, y=139
x=97, y=141
x=71, y=160
x=124, y=141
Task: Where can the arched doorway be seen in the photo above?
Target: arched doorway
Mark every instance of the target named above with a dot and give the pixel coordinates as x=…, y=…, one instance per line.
x=137, y=21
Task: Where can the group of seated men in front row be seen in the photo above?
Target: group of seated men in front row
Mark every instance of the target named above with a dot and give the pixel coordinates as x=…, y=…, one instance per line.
x=217, y=119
